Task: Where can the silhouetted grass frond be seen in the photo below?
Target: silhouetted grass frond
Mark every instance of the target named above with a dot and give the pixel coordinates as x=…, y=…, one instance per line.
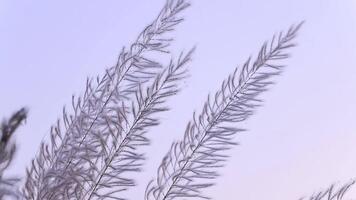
x=7, y=152
x=192, y=163
x=68, y=161
x=332, y=193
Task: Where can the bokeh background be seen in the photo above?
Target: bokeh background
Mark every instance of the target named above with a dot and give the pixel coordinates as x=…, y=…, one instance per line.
x=303, y=138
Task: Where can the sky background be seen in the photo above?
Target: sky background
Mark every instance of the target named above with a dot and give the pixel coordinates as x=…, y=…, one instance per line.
x=303, y=138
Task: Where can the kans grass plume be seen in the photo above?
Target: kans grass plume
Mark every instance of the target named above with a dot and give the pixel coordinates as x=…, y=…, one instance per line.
x=332, y=193
x=95, y=146
x=7, y=152
x=94, y=149
x=191, y=164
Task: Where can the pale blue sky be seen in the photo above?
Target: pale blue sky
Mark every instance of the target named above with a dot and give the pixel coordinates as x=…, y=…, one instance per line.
x=302, y=139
